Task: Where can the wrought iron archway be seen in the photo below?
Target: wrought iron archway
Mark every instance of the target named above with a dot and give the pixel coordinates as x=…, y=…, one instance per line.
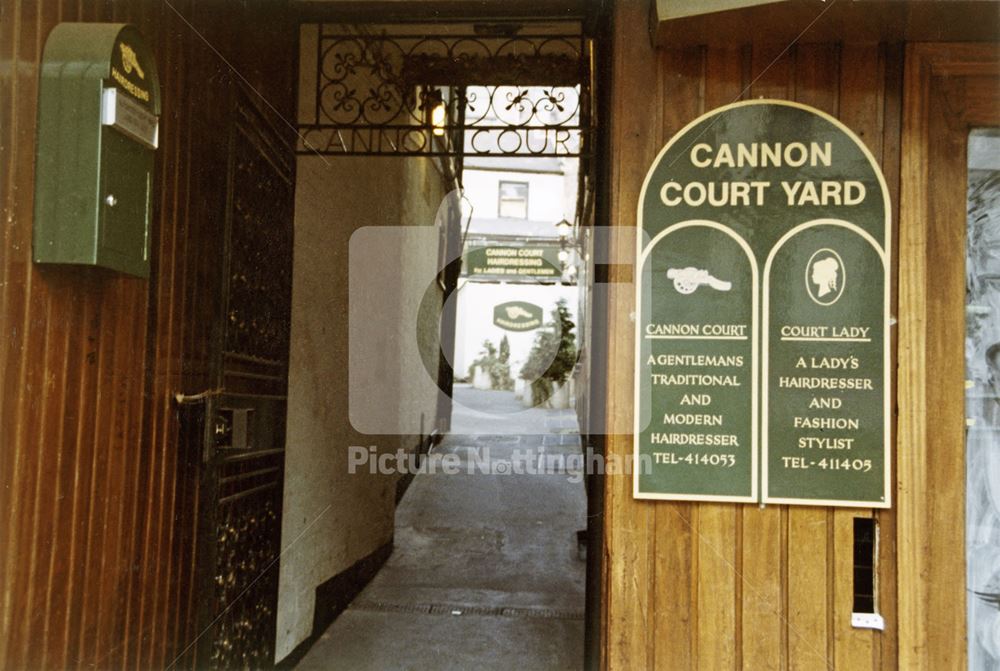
x=496, y=90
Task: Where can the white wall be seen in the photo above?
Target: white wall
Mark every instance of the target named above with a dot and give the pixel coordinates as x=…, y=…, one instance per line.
x=476, y=301
x=332, y=518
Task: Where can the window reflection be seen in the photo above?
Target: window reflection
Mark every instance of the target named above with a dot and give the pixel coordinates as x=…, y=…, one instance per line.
x=982, y=401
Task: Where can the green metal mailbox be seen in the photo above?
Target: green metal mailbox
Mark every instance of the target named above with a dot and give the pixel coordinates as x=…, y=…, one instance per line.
x=98, y=125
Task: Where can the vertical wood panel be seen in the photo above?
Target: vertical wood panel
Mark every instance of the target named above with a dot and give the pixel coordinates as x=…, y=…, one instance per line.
x=862, y=91
x=912, y=473
x=43, y=366
x=158, y=432
x=57, y=585
x=945, y=395
x=82, y=474
x=54, y=396
x=676, y=558
x=181, y=580
x=171, y=306
x=630, y=575
x=817, y=69
x=886, y=657
x=27, y=317
x=719, y=564
x=765, y=529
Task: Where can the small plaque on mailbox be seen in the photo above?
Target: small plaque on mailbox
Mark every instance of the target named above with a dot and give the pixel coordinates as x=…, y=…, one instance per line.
x=131, y=118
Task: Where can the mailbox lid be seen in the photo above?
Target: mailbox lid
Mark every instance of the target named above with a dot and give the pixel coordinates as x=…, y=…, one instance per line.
x=105, y=52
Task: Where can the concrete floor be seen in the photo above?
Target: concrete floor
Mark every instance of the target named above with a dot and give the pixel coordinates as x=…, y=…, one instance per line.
x=485, y=573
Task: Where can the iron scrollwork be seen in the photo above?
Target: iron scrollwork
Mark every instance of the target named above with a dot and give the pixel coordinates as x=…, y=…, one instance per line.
x=511, y=95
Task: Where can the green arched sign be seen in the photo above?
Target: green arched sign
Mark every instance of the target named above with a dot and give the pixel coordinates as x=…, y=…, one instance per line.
x=762, y=361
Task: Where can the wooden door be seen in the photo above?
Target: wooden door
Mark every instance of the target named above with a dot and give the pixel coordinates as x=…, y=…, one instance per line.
x=239, y=425
x=950, y=90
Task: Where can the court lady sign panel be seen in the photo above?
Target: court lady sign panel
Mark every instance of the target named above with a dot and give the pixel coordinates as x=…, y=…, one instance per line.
x=762, y=361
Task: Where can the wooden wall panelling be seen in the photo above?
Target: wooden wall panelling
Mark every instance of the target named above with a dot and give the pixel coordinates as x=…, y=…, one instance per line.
x=18, y=462
x=887, y=643
x=719, y=539
x=945, y=606
x=810, y=620
x=675, y=637
x=913, y=370
x=95, y=553
x=635, y=132
x=737, y=586
x=861, y=109
x=58, y=569
x=167, y=350
x=765, y=530
x=199, y=239
x=179, y=539
x=81, y=349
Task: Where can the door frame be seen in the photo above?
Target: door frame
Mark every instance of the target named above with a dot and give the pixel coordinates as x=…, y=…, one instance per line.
x=949, y=89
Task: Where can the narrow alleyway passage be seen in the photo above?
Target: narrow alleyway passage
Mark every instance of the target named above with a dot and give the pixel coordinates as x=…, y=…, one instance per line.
x=485, y=573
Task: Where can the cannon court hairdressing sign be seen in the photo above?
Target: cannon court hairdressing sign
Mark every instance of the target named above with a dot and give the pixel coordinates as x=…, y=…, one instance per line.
x=762, y=361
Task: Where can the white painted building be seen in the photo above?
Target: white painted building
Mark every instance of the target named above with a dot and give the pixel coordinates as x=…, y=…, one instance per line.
x=476, y=301
x=512, y=201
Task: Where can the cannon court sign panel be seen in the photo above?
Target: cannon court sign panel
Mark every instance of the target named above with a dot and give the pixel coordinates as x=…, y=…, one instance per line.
x=762, y=361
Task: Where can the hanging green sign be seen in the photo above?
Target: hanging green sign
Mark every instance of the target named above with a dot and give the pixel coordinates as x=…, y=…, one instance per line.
x=514, y=262
x=762, y=362
x=517, y=316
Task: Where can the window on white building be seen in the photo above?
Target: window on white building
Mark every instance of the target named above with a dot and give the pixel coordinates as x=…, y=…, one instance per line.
x=513, y=201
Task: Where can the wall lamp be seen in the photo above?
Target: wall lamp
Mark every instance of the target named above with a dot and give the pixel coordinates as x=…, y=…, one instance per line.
x=437, y=111
x=567, y=242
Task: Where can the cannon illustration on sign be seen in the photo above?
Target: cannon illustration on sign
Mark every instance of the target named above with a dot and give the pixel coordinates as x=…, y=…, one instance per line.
x=686, y=280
